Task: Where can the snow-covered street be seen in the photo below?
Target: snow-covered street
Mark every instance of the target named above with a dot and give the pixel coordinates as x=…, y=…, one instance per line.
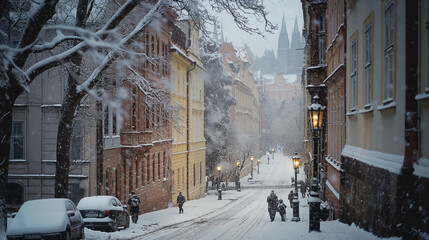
x=239, y=215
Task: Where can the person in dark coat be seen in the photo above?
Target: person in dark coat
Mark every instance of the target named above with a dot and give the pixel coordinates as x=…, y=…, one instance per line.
x=272, y=201
x=134, y=203
x=290, y=197
x=303, y=188
x=180, y=202
x=282, y=210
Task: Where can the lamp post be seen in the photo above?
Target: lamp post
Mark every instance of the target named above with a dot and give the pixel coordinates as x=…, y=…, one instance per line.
x=295, y=160
x=268, y=155
x=237, y=183
x=219, y=190
x=315, y=113
x=259, y=160
x=251, y=161
x=272, y=151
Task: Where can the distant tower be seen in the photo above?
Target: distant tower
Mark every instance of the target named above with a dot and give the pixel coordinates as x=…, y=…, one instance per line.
x=282, y=49
x=296, y=56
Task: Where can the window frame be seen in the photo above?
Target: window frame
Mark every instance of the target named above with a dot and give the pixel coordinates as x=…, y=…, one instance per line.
x=388, y=52
x=13, y=137
x=353, y=73
x=368, y=68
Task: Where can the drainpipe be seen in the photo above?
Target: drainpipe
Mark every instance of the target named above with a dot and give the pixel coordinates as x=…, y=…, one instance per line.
x=405, y=179
x=194, y=65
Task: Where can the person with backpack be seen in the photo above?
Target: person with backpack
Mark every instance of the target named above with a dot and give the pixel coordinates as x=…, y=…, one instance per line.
x=272, y=205
x=180, y=202
x=134, y=203
x=282, y=210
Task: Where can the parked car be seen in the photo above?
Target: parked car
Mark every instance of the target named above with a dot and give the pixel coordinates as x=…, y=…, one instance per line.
x=104, y=213
x=56, y=218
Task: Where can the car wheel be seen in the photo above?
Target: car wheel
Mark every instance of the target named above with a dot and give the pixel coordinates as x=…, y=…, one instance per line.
x=127, y=222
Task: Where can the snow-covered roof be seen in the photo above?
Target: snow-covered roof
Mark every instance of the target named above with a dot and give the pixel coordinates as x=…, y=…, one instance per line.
x=290, y=78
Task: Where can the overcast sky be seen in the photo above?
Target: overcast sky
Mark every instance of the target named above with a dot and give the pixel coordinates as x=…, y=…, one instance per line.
x=275, y=9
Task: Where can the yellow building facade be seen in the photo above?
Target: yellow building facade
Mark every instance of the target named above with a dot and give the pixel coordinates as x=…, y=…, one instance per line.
x=187, y=95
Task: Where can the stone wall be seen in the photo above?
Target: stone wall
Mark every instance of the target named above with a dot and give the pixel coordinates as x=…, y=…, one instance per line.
x=368, y=197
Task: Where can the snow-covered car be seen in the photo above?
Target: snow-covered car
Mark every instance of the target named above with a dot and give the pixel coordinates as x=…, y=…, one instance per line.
x=56, y=218
x=104, y=213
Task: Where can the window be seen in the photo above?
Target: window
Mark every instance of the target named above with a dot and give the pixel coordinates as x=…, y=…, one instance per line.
x=353, y=76
x=17, y=141
x=111, y=127
x=322, y=48
x=148, y=169
x=134, y=109
x=173, y=82
x=165, y=165
x=322, y=22
x=130, y=175
x=153, y=167
x=201, y=174
x=388, y=52
x=142, y=170
x=159, y=166
x=368, y=64
x=106, y=182
x=195, y=177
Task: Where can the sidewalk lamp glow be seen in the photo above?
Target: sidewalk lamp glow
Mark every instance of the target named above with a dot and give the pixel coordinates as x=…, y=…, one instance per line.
x=238, y=163
x=252, y=158
x=315, y=114
x=295, y=159
x=219, y=190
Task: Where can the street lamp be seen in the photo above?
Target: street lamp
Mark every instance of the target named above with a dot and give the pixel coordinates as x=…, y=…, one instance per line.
x=259, y=160
x=268, y=155
x=295, y=161
x=237, y=182
x=219, y=196
x=315, y=114
x=251, y=161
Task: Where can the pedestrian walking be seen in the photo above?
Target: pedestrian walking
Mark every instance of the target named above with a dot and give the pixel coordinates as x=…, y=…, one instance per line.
x=290, y=197
x=134, y=203
x=282, y=210
x=272, y=201
x=303, y=188
x=180, y=202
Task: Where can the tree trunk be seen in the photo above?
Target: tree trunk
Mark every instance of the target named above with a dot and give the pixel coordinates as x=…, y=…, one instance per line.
x=70, y=103
x=5, y=133
x=8, y=95
x=65, y=130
